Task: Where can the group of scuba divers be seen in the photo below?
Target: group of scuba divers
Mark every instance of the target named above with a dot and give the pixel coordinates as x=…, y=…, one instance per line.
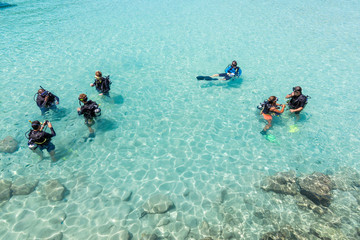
x=39, y=139
x=270, y=107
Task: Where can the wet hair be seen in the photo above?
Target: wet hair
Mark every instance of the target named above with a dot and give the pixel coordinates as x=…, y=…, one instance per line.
x=234, y=62
x=83, y=97
x=40, y=91
x=35, y=125
x=98, y=74
x=272, y=99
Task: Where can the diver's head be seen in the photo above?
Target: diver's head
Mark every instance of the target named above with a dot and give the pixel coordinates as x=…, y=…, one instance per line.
x=272, y=100
x=98, y=74
x=297, y=89
x=234, y=63
x=83, y=98
x=36, y=125
x=42, y=92
x=297, y=93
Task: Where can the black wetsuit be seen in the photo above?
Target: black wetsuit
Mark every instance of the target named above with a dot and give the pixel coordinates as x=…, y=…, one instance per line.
x=298, y=102
x=42, y=139
x=267, y=106
x=40, y=100
x=102, y=85
x=88, y=109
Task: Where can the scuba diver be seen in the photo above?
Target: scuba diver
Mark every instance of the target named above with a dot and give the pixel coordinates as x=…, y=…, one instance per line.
x=102, y=84
x=232, y=70
x=298, y=101
x=90, y=110
x=268, y=109
x=45, y=100
x=40, y=140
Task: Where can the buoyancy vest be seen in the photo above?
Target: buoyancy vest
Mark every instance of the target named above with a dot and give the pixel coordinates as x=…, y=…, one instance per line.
x=38, y=137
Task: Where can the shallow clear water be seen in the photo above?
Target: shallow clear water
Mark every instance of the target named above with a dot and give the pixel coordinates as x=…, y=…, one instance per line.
x=165, y=132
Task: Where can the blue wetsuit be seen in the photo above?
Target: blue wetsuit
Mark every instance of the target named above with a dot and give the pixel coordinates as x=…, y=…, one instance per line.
x=233, y=71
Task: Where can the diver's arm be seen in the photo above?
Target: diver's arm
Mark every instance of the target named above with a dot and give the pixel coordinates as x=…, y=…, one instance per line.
x=53, y=134
x=273, y=109
x=49, y=135
x=290, y=95
x=227, y=70
x=80, y=110
x=45, y=101
x=296, y=110
x=93, y=84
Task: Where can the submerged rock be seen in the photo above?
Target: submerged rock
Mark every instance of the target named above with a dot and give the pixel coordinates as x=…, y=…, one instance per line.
x=8, y=145
x=325, y=232
x=163, y=222
x=204, y=228
x=53, y=190
x=317, y=187
x=126, y=195
x=285, y=234
x=121, y=235
x=282, y=182
x=158, y=204
x=5, y=192
x=304, y=202
x=149, y=236
x=24, y=186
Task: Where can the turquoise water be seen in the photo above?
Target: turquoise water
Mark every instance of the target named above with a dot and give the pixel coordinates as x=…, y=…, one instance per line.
x=165, y=132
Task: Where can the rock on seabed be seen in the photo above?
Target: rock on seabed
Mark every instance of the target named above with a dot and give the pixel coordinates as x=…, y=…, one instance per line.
x=53, y=190
x=158, y=204
x=24, y=186
x=8, y=145
x=282, y=182
x=317, y=187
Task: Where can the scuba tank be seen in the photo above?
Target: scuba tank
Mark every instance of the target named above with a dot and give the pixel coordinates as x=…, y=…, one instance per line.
x=92, y=109
x=32, y=145
x=265, y=108
x=97, y=112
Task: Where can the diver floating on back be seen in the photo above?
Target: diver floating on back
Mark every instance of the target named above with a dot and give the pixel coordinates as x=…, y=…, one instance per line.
x=102, y=84
x=230, y=72
x=46, y=100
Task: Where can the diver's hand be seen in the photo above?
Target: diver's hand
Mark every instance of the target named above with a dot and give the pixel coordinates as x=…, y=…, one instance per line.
x=292, y=110
x=49, y=124
x=57, y=103
x=101, y=94
x=91, y=84
x=78, y=109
